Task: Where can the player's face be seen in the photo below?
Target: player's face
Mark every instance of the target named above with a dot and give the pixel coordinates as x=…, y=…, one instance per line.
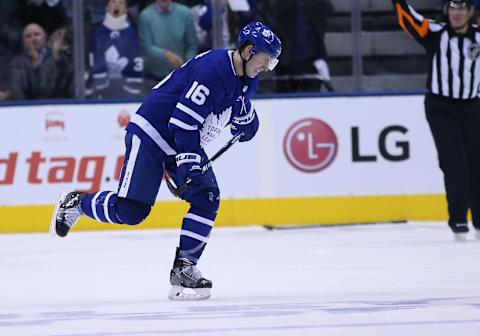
x=460, y=17
x=116, y=8
x=34, y=37
x=258, y=63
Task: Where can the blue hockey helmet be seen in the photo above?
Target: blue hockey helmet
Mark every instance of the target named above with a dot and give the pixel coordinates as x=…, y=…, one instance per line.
x=263, y=39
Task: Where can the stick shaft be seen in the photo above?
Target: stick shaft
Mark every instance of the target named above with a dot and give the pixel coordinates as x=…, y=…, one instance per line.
x=313, y=226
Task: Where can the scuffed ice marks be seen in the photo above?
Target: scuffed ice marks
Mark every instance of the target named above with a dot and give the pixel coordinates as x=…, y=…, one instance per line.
x=241, y=311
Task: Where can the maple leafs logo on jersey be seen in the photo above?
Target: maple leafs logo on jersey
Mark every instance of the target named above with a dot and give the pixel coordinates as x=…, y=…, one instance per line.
x=213, y=126
x=115, y=63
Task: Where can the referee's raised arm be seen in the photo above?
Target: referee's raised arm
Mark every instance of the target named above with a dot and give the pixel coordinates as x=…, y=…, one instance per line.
x=411, y=22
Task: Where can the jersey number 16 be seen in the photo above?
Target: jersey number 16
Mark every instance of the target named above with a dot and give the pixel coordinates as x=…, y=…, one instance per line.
x=198, y=93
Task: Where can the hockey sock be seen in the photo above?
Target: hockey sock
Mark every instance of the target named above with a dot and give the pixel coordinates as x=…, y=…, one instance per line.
x=107, y=207
x=101, y=206
x=196, y=227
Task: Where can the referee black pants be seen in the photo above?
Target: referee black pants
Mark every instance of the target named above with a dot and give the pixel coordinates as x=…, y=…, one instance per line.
x=455, y=127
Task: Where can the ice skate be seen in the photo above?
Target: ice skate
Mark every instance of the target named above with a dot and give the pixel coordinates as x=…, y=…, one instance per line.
x=460, y=231
x=187, y=282
x=477, y=234
x=66, y=213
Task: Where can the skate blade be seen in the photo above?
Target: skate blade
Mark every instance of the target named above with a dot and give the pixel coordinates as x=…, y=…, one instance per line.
x=53, y=222
x=461, y=237
x=179, y=293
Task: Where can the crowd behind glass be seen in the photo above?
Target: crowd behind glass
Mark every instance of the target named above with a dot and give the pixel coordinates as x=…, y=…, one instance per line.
x=129, y=45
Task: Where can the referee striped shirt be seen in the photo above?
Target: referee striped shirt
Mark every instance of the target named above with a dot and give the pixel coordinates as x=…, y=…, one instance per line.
x=454, y=59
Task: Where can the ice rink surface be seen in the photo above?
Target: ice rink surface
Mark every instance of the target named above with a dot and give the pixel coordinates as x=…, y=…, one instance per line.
x=398, y=279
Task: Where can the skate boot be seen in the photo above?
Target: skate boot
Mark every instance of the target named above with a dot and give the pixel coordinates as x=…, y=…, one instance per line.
x=66, y=213
x=187, y=281
x=460, y=231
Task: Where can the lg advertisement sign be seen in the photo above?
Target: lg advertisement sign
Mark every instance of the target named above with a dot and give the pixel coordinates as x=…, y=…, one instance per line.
x=310, y=145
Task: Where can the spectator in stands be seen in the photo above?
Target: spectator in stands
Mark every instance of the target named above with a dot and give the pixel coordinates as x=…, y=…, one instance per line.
x=10, y=37
x=244, y=11
x=303, y=22
x=93, y=15
x=135, y=7
x=40, y=72
x=231, y=21
x=226, y=40
x=116, y=63
x=168, y=37
x=198, y=9
x=94, y=10
x=49, y=14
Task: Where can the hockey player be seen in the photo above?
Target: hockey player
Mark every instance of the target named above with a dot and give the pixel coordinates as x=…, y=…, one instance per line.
x=183, y=113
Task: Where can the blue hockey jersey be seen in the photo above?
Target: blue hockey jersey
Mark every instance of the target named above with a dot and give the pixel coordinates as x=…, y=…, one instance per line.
x=115, y=57
x=193, y=104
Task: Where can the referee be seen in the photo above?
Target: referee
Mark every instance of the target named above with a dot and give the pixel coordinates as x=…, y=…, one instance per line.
x=452, y=105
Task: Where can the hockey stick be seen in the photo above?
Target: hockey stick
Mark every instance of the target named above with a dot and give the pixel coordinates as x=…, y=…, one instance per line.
x=315, y=226
x=178, y=191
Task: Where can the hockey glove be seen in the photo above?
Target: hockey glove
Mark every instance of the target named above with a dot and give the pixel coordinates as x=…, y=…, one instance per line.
x=248, y=126
x=188, y=168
